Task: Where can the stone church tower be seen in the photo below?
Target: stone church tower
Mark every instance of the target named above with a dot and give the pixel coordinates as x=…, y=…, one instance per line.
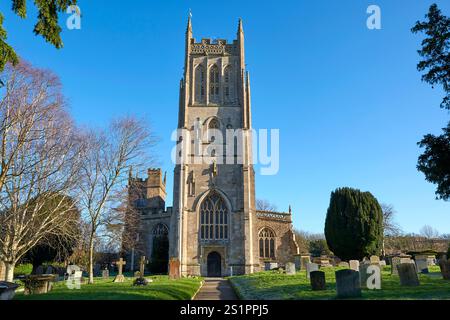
x=213, y=228
x=214, y=204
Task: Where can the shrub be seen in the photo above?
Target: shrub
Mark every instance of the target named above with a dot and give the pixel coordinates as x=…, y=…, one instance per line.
x=354, y=224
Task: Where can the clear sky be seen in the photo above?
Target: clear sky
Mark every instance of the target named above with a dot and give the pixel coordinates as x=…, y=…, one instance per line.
x=348, y=101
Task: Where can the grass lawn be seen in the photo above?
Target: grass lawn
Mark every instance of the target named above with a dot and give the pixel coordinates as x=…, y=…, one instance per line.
x=160, y=289
x=272, y=285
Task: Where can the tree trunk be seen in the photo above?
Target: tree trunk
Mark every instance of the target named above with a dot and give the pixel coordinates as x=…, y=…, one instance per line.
x=91, y=259
x=9, y=271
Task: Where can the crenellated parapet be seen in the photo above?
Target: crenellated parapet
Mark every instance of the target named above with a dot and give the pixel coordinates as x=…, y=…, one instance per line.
x=213, y=47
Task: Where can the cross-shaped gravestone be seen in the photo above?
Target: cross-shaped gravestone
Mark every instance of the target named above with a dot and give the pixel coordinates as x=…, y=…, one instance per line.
x=120, y=264
x=142, y=264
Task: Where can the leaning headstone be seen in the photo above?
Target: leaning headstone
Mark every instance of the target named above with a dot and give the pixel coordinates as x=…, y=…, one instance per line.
x=310, y=267
x=347, y=284
x=422, y=265
x=354, y=265
x=445, y=268
x=370, y=276
x=105, y=273
x=120, y=277
x=317, y=280
x=290, y=268
x=375, y=259
x=408, y=274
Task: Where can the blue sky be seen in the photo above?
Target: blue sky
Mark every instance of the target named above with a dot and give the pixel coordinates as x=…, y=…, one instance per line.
x=348, y=101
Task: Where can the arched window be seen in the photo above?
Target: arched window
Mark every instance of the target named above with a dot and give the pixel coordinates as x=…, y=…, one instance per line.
x=267, y=243
x=160, y=230
x=228, y=87
x=213, y=218
x=214, y=84
x=200, y=84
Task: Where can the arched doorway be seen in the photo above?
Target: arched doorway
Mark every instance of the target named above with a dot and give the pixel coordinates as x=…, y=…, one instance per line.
x=160, y=249
x=214, y=264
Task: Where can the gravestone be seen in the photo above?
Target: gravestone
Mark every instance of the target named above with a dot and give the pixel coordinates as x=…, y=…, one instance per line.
x=370, y=276
x=39, y=270
x=354, y=265
x=382, y=263
x=174, y=268
x=422, y=265
x=347, y=284
x=304, y=260
x=317, y=279
x=105, y=273
x=397, y=261
x=38, y=284
x=141, y=281
x=270, y=265
x=374, y=259
x=408, y=274
x=445, y=268
x=297, y=261
x=50, y=270
x=290, y=268
x=120, y=277
x=343, y=264
x=310, y=267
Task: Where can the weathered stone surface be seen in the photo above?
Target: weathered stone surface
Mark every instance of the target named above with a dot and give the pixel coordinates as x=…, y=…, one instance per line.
x=445, y=268
x=105, y=273
x=422, y=265
x=408, y=274
x=348, y=284
x=174, y=268
x=344, y=264
x=395, y=261
x=354, y=265
x=38, y=284
x=310, y=267
x=374, y=259
x=317, y=279
x=304, y=260
x=290, y=268
x=2, y=271
x=382, y=263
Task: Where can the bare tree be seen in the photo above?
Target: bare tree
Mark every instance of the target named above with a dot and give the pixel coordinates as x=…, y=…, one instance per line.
x=429, y=232
x=39, y=163
x=265, y=205
x=108, y=159
x=390, y=227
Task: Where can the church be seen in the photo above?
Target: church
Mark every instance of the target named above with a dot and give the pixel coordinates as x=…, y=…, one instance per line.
x=213, y=228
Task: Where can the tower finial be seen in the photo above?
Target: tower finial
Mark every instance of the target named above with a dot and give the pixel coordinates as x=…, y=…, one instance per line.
x=189, y=24
x=290, y=210
x=240, y=27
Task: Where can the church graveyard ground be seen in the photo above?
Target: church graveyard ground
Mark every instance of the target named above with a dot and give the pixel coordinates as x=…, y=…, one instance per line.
x=271, y=285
